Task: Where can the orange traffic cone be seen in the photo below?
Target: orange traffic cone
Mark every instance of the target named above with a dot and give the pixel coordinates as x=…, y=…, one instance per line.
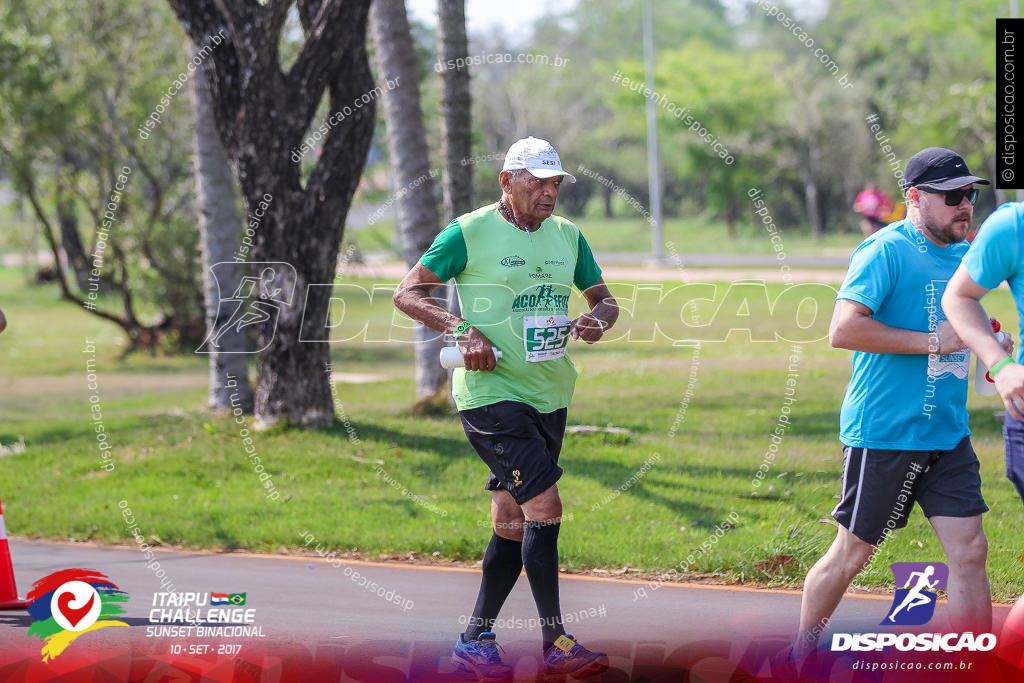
x=8, y=590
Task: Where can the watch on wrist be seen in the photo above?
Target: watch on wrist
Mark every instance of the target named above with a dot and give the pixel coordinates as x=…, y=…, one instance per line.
x=463, y=326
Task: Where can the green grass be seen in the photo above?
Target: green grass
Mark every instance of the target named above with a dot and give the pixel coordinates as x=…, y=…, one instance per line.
x=184, y=473
x=630, y=233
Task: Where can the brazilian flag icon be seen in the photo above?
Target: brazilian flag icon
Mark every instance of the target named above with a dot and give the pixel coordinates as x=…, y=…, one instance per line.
x=237, y=598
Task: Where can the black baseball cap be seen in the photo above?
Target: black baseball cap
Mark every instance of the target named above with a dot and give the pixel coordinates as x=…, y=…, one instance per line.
x=938, y=168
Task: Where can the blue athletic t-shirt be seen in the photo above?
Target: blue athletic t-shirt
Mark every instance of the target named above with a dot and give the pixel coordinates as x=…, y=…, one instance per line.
x=997, y=255
x=896, y=401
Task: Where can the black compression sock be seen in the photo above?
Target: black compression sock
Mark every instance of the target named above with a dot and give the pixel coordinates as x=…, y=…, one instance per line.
x=540, y=557
x=503, y=562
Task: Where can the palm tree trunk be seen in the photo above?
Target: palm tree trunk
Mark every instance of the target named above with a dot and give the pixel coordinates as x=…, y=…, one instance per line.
x=412, y=178
x=456, y=125
x=809, y=174
x=220, y=229
x=456, y=122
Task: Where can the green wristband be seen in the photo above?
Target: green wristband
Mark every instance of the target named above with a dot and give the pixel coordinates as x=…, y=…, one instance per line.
x=463, y=326
x=999, y=366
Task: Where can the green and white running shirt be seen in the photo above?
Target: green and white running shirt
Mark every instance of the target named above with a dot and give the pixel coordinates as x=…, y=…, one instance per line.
x=514, y=287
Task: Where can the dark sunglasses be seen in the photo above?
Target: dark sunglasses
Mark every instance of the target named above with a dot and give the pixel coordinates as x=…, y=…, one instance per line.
x=954, y=197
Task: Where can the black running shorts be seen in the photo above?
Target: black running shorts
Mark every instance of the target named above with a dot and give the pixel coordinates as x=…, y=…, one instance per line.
x=519, y=444
x=880, y=487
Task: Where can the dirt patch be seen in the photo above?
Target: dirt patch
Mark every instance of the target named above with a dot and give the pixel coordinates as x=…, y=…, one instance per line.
x=357, y=377
x=777, y=565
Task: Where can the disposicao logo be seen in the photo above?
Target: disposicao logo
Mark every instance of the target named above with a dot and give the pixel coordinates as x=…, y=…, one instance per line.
x=69, y=603
x=914, y=605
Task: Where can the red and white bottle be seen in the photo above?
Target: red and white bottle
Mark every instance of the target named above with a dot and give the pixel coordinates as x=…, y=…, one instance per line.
x=983, y=382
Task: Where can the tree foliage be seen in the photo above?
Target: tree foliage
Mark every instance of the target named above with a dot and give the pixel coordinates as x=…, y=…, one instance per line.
x=75, y=81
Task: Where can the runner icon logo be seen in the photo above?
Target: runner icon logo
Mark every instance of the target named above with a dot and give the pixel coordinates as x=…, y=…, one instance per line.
x=914, y=603
x=258, y=294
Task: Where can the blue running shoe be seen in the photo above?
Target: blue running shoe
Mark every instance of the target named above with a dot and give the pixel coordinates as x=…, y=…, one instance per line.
x=480, y=657
x=567, y=656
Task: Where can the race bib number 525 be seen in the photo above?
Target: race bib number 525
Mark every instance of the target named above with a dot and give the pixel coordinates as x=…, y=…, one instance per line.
x=545, y=336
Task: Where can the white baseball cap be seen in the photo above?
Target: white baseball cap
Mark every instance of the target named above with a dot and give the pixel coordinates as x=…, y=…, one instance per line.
x=536, y=156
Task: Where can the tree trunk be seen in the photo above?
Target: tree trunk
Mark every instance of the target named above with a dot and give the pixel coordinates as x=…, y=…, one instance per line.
x=607, y=191
x=456, y=122
x=812, y=206
x=456, y=125
x=220, y=229
x=263, y=115
x=732, y=212
x=70, y=239
x=412, y=178
x=808, y=174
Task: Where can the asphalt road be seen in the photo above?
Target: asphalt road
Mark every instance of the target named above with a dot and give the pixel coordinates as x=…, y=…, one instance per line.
x=309, y=600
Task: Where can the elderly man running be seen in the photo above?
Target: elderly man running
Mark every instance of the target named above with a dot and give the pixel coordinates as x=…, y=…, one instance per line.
x=514, y=265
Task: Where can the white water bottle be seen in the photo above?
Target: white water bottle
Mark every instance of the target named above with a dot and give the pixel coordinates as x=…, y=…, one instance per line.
x=983, y=382
x=451, y=357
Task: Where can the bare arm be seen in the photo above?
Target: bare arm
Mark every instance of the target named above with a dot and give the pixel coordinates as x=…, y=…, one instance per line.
x=412, y=297
x=853, y=328
x=962, y=304
x=604, y=311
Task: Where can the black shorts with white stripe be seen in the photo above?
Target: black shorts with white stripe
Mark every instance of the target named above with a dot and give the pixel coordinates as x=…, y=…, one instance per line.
x=880, y=487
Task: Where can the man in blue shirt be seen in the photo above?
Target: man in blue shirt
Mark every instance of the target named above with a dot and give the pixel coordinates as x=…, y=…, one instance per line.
x=903, y=422
x=996, y=256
